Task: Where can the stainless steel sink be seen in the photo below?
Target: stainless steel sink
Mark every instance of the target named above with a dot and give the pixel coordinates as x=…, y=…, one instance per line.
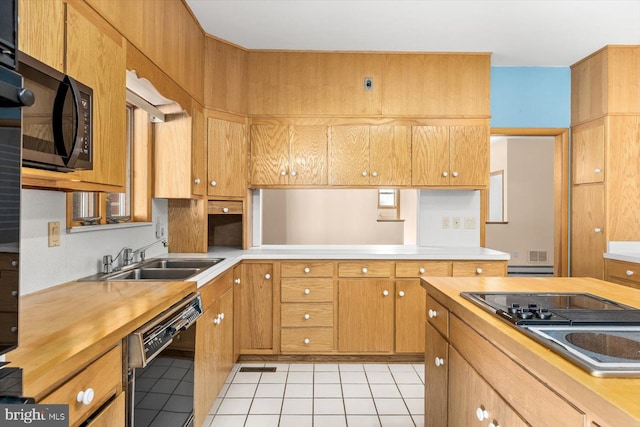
x=158, y=270
x=181, y=263
x=154, y=274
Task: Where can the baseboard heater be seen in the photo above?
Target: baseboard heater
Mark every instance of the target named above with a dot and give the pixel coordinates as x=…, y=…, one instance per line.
x=530, y=270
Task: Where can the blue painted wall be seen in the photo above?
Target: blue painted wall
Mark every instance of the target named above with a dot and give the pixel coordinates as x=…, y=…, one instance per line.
x=530, y=97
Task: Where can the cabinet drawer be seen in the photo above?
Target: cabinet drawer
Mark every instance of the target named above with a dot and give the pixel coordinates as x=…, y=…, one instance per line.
x=224, y=207
x=626, y=273
x=306, y=315
x=423, y=268
x=365, y=269
x=8, y=290
x=9, y=261
x=113, y=415
x=306, y=290
x=479, y=268
x=303, y=340
x=438, y=316
x=104, y=376
x=306, y=269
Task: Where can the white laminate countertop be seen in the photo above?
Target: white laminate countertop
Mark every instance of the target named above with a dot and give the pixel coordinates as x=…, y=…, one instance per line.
x=232, y=256
x=623, y=251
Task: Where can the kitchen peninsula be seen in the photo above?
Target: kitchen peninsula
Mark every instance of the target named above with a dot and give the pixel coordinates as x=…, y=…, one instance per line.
x=500, y=375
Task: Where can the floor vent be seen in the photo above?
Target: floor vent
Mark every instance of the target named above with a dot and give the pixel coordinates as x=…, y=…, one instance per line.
x=264, y=369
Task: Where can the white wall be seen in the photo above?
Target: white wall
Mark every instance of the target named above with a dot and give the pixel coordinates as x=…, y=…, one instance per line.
x=436, y=205
x=79, y=254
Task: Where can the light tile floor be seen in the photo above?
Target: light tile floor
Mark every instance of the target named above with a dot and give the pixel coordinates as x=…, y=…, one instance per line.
x=321, y=394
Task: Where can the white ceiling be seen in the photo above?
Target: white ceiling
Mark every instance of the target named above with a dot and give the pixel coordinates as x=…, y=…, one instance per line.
x=517, y=32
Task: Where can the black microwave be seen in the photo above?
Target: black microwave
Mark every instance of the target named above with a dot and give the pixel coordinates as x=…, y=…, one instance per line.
x=57, y=128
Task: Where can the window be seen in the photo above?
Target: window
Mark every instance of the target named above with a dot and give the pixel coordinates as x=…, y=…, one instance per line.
x=134, y=204
x=388, y=204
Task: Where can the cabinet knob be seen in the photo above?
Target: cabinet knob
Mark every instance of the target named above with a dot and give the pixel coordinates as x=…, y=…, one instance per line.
x=385, y=292
x=85, y=396
x=267, y=276
x=237, y=281
x=307, y=291
x=374, y=173
x=439, y=361
x=14, y=263
x=445, y=174
x=294, y=173
x=221, y=316
x=197, y=180
x=307, y=316
x=217, y=320
x=15, y=293
x=225, y=210
x=365, y=270
x=307, y=341
x=455, y=174
x=422, y=270
x=478, y=270
x=432, y=313
x=597, y=170
x=494, y=423
x=401, y=293
x=14, y=329
x=307, y=270
x=629, y=273
x=597, y=229
x=283, y=172
x=482, y=414
x=214, y=183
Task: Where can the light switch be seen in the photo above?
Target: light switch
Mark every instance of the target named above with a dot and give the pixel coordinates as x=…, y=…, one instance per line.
x=54, y=234
x=446, y=222
x=456, y=222
x=470, y=223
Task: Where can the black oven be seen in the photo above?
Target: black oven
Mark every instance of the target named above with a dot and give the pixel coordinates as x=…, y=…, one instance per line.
x=57, y=129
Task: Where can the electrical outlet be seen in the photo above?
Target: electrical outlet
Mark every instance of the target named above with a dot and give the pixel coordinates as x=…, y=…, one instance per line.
x=470, y=223
x=516, y=254
x=446, y=222
x=456, y=222
x=54, y=234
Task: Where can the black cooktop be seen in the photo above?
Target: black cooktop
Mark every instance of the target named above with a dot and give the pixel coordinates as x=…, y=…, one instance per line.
x=524, y=308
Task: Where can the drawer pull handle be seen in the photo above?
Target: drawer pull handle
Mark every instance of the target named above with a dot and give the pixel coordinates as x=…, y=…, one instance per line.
x=364, y=173
x=455, y=174
x=267, y=276
x=213, y=183
x=482, y=414
x=307, y=316
x=478, y=270
x=401, y=293
x=14, y=263
x=385, y=292
x=15, y=293
x=445, y=174
x=629, y=273
x=225, y=210
x=237, y=281
x=432, y=313
x=494, y=423
x=307, y=270
x=439, y=361
x=221, y=316
x=283, y=173
x=216, y=321
x=365, y=270
x=422, y=270
x=307, y=291
x=597, y=170
x=85, y=397
x=307, y=341
x=597, y=229
x=197, y=180
x=374, y=174
x=294, y=173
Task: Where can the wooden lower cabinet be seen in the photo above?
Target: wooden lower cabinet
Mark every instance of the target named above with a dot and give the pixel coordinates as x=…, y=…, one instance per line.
x=410, y=315
x=113, y=415
x=588, y=242
x=256, y=308
x=366, y=315
x=436, y=368
x=473, y=402
x=622, y=273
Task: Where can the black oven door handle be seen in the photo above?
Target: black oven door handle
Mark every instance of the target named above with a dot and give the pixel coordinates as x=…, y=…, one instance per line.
x=70, y=150
x=13, y=97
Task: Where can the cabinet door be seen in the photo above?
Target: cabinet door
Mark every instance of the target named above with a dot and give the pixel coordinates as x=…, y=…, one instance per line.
x=410, y=316
x=587, y=231
x=308, y=151
x=269, y=155
x=588, y=154
x=472, y=402
x=96, y=57
x=469, y=155
x=256, y=306
x=198, y=153
x=205, y=389
x=390, y=155
x=226, y=159
x=224, y=355
x=41, y=31
x=349, y=155
x=436, y=368
x=237, y=298
x=365, y=315
x=430, y=155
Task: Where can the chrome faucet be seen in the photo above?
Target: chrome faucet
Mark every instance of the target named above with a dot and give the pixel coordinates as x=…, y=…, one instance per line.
x=128, y=257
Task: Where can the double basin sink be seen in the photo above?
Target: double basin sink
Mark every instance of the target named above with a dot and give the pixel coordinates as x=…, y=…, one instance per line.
x=162, y=269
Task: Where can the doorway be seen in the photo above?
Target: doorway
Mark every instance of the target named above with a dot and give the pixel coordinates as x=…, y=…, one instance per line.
x=535, y=230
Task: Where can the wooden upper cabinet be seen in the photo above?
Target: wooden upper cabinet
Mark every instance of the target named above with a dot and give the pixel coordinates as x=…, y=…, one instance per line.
x=588, y=153
x=349, y=155
x=436, y=85
x=450, y=156
x=390, y=155
x=41, y=31
x=96, y=56
x=606, y=82
x=288, y=155
x=227, y=158
x=225, y=82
